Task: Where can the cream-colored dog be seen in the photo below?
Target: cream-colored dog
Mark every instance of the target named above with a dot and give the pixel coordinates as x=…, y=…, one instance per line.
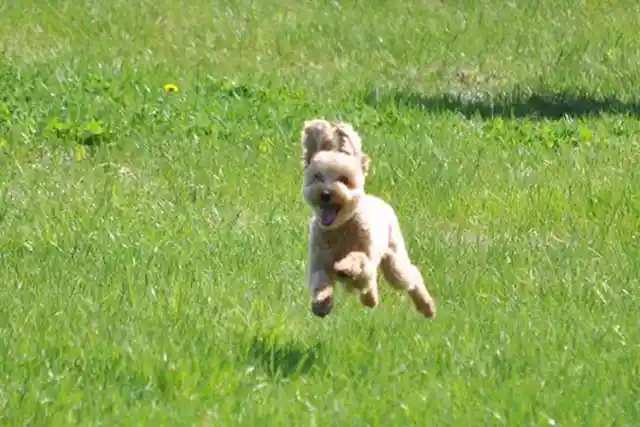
x=351, y=233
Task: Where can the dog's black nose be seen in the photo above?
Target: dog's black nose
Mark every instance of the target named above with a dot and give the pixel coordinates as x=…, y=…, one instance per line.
x=325, y=196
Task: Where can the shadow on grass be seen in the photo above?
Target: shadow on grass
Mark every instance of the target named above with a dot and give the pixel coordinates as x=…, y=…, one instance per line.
x=282, y=359
x=515, y=104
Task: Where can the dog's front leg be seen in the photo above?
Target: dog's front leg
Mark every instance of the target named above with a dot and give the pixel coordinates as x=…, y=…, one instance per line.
x=321, y=287
x=362, y=270
x=319, y=280
x=355, y=266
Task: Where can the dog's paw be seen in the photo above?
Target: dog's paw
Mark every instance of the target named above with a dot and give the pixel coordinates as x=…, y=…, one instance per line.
x=322, y=307
x=352, y=266
x=424, y=303
x=369, y=299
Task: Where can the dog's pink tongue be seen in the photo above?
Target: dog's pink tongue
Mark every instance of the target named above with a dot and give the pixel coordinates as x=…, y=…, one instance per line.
x=328, y=215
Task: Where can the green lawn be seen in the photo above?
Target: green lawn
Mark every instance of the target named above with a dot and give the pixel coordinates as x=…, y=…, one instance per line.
x=153, y=246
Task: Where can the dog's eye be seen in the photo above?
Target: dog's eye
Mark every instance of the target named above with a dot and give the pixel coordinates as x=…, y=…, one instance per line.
x=345, y=181
x=318, y=177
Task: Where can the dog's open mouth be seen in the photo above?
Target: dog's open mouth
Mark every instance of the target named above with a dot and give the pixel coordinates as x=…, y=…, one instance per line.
x=328, y=214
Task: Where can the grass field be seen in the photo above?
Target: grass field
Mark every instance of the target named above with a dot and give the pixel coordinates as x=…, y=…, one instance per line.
x=153, y=246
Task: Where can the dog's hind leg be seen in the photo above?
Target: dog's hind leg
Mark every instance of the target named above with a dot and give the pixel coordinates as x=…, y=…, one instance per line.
x=402, y=274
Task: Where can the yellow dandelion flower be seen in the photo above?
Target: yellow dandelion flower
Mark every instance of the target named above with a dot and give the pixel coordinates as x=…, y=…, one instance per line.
x=169, y=87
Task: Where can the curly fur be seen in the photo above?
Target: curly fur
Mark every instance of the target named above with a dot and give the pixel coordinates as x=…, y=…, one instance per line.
x=323, y=135
x=352, y=233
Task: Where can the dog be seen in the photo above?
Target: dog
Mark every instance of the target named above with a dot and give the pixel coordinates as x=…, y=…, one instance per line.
x=351, y=234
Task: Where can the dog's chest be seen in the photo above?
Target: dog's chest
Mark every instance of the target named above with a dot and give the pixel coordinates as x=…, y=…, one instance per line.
x=352, y=236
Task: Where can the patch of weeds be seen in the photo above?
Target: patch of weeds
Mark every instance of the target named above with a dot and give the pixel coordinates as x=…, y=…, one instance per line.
x=96, y=84
x=550, y=135
x=91, y=110
x=92, y=132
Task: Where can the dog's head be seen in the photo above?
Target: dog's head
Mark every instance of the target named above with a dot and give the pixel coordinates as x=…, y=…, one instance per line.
x=321, y=135
x=333, y=186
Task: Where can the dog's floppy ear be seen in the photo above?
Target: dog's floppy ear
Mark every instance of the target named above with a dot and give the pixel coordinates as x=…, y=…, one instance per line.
x=317, y=135
x=349, y=141
x=366, y=164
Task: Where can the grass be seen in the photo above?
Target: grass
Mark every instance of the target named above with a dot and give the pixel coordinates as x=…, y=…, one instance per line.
x=152, y=246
